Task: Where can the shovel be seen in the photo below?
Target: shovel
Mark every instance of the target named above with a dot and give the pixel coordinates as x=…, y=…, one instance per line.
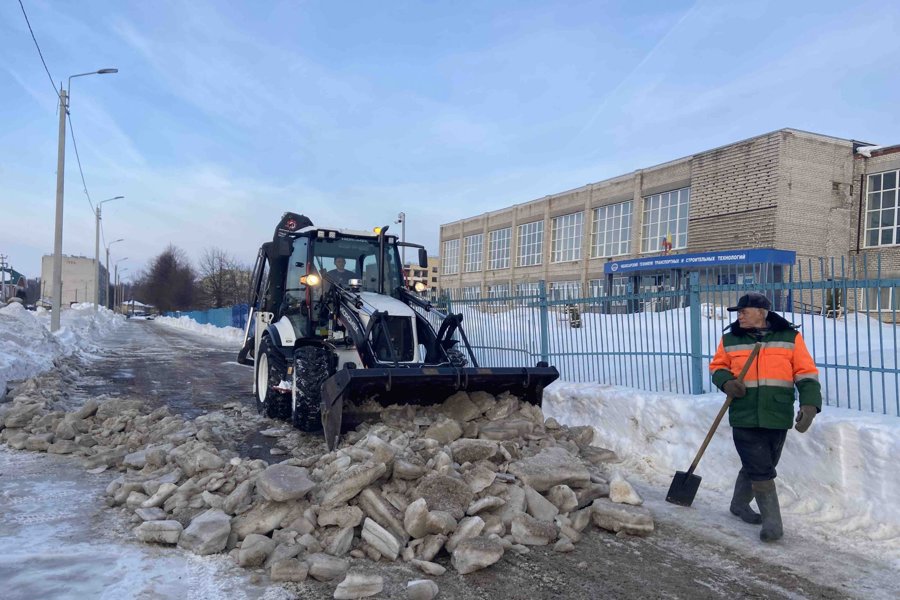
x=684, y=485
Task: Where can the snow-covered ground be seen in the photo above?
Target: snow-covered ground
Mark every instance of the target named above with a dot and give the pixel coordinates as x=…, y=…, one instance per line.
x=839, y=483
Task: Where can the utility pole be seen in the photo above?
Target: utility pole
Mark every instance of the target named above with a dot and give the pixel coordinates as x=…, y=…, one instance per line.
x=60, y=176
x=3, y=258
x=97, y=251
x=56, y=303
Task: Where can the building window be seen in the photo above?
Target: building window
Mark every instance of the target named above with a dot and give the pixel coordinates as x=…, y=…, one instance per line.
x=471, y=292
x=473, y=249
x=434, y=280
x=611, y=230
x=498, y=290
x=620, y=287
x=564, y=290
x=498, y=248
x=882, y=227
x=434, y=270
x=531, y=244
x=883, y=299
x=566, y=235
x=450, y=257
x=527, y=292
x=665, y=221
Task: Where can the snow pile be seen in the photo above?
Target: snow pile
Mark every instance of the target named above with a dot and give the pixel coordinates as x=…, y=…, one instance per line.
x=27, y=347
x=841, y=478
x=230, y=334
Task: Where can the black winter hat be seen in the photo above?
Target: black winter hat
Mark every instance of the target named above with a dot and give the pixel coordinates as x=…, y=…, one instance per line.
x=752, y=300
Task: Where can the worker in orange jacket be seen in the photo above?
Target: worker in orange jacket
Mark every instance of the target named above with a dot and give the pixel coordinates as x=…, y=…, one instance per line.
x=762, y=408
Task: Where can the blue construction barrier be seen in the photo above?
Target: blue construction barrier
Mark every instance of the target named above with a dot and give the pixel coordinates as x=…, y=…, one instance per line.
x=229, y=316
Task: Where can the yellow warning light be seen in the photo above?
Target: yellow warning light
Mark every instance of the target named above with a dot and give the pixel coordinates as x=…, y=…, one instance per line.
x=377, y=230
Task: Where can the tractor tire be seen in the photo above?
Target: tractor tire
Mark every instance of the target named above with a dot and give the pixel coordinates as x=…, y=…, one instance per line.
x=271, y=369
x=312, y=366
x=457, y=357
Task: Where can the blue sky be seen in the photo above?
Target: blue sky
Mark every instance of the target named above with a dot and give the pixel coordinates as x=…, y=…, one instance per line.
x=225, y=114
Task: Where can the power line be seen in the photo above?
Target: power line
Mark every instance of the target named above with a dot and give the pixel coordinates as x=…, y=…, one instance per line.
x=75, y=145
x=41, y=54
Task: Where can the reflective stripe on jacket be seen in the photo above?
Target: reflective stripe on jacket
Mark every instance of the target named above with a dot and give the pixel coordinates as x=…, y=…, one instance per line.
x=782, y=364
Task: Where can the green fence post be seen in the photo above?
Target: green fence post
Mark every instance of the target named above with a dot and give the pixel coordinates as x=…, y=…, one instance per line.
x=545, y=322
x=696, y=342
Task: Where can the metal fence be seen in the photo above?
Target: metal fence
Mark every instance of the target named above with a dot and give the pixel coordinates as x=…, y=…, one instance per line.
x=659, y=333
x=229, y=316
x=662, y=337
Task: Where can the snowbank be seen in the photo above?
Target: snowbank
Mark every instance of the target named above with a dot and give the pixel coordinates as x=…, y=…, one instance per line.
x=230, y=334
x=841, y=478
x=27, y=347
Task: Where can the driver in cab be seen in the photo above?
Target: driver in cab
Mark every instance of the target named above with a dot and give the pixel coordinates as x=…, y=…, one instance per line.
x=339, y=274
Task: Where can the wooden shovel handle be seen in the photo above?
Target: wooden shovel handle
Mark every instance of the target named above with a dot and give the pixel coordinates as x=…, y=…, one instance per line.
x=724, y=408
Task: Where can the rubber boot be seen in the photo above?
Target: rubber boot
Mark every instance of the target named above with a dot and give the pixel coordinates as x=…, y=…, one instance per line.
x=740, y=502
x=767, y=500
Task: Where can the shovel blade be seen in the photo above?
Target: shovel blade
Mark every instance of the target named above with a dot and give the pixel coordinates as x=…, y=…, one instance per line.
x=683, y=489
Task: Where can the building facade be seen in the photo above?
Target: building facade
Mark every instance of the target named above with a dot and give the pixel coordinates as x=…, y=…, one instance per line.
x=791, y=191
x=79, y=280
x=428, y=276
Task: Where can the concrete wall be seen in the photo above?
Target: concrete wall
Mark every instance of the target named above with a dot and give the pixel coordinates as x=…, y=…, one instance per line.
x=78, y=279
x=815, y=181
x=734, y=195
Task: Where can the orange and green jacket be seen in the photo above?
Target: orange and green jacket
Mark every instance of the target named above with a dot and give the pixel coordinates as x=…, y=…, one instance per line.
x=782, y=364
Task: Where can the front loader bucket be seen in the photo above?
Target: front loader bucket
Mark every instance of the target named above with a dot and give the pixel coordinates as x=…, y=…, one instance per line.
x=424, y=386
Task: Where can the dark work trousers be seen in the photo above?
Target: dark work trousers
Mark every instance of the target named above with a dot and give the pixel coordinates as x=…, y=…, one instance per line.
x=760, y=450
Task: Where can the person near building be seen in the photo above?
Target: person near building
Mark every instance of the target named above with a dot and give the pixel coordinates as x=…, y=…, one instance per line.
x=762, y=408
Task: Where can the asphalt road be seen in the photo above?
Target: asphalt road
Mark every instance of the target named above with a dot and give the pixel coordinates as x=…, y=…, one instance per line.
x=192, y=373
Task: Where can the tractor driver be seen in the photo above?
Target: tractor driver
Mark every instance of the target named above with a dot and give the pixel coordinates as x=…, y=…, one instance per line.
x=339, y=274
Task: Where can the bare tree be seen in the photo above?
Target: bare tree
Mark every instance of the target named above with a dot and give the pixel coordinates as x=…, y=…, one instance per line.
x=223, y=280
x=170, y=282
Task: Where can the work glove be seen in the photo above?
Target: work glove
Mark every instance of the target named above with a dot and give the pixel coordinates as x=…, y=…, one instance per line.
x=805, y=417
x=735, y=388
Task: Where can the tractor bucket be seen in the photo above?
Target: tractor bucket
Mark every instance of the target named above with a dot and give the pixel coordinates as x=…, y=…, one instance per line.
x=424, y=386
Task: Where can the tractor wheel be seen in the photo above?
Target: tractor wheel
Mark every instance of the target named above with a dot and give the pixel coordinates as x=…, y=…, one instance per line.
x=312, y=366
x=457, y=357
x=270, y=371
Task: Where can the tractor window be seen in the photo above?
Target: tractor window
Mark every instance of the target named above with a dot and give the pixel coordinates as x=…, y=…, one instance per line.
x=294, y=291
x=361, y=259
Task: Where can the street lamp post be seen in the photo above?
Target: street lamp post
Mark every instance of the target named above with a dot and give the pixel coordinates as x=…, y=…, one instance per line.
x=401, y=218
x=97, y=250
x=116, y=296
x=60, y=178
x=107, y=267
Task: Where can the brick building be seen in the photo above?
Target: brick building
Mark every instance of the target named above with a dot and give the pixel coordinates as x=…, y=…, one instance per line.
x=802, y=195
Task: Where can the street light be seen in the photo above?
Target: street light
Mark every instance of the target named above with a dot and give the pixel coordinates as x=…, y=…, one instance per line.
x=116, y=299
x=401, y=218
x=60, y=177
x=107, y=267
x=97, y=250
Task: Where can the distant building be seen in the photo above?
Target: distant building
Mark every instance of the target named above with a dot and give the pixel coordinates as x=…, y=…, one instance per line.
x=779, y=199
x=413, y=274
x=79, y=280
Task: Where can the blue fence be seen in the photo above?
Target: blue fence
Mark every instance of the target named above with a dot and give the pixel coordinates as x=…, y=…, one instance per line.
x=660, y=335
x=229, y=316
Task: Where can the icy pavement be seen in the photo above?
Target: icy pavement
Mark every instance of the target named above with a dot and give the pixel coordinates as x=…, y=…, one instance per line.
x=61, y=541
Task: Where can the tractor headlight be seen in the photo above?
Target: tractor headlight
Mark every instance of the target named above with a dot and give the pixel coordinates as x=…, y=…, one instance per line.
x=420, y=287
x=312, y=280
